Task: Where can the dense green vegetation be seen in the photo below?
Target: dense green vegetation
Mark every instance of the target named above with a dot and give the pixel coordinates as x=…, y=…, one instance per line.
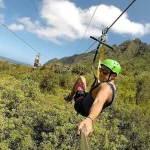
x=34, y=116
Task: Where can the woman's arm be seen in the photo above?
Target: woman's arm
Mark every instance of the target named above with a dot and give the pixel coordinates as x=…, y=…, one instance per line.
x=103, y=95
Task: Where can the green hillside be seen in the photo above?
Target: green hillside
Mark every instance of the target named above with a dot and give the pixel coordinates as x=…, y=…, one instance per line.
x=34, y=116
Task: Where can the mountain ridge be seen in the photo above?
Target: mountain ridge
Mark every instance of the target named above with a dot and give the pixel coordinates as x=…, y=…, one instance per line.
x=128, y=49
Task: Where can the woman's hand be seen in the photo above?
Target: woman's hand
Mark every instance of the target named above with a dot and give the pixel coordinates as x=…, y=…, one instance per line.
x=86, y=124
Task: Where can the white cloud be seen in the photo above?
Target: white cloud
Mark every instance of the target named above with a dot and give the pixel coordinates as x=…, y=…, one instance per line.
x=16, y=27
x=31, y=26
x=65, y=21
x=35, y=27
x=1, y=4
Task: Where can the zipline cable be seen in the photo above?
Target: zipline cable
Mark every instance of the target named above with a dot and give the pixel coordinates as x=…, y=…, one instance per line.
x=112, y=24
x=34, y=6
x=86, y=31
x=121, y=14
x=21, y=39
x=88, y=25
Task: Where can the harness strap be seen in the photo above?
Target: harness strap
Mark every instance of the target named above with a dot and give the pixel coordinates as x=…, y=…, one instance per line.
x=113, y=96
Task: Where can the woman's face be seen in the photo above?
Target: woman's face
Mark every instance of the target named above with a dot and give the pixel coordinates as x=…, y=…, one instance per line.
x=104, y=73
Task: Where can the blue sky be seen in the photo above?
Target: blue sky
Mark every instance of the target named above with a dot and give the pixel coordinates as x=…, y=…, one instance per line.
x=55, y=28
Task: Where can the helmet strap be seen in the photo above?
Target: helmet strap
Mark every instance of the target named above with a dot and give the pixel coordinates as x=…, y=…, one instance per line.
x=109, y=77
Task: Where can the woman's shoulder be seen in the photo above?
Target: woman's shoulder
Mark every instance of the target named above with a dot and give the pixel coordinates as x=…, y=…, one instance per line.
x=107, y=85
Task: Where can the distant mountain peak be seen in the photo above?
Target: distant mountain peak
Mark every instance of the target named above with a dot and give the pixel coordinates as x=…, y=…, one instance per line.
x=137, y=41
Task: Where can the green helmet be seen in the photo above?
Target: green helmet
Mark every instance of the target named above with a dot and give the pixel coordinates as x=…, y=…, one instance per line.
x=113, y=65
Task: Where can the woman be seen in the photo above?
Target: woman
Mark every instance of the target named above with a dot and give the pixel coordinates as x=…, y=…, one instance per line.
x=99, y=97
